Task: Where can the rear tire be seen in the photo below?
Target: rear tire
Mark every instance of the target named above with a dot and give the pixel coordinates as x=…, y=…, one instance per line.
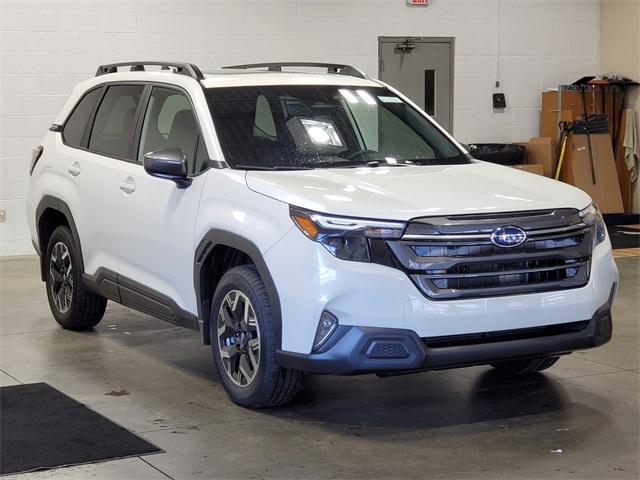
x=73, y=306
x=243, y=341
x=524, y=367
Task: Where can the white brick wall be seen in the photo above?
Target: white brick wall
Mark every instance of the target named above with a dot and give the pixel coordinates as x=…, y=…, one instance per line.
x=47, y=46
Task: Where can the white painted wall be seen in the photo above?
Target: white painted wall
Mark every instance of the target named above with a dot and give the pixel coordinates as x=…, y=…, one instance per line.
x=47, y=46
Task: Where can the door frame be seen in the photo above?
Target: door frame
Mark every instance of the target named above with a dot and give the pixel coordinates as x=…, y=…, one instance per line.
x=450, y=40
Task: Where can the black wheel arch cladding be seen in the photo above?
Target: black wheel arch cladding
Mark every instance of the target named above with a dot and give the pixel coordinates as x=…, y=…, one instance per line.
x=202, y=273
x=49, y=204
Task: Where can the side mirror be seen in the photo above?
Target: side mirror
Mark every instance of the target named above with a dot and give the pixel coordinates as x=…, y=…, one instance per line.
x=170, y=163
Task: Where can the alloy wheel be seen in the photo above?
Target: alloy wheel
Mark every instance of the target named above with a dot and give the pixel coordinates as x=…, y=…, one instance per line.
x=60, y=273
x=239, y=338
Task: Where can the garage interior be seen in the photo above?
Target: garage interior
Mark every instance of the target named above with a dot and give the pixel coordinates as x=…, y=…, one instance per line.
x=511, y=79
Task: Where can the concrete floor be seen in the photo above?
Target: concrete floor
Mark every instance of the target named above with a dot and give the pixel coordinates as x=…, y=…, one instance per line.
x=579, y=420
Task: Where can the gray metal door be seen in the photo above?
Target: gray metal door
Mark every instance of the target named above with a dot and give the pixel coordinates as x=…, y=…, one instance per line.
x=422, y=69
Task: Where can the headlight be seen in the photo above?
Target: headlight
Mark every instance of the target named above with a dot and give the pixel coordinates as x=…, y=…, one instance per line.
x=592, y=216
x=346, y=238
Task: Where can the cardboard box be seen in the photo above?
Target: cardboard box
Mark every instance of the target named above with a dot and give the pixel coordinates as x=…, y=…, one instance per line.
x=549, y=116
x=576, y=170
x=540, y=152
x=537, y=169
x=624, y=175
x=572, y=100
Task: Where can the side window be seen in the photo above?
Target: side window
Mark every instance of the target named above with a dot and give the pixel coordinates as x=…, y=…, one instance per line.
x=77, y=121
x=172, y=105
x=170, y=122
x=114, y=123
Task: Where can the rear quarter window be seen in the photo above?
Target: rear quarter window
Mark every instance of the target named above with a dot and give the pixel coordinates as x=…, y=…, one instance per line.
x=77, y=122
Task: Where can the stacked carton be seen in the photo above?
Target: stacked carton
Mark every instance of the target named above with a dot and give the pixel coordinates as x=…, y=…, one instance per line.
x=577, y=167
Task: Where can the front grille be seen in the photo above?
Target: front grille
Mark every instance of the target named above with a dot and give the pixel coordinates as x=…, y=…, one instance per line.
x=454, y=257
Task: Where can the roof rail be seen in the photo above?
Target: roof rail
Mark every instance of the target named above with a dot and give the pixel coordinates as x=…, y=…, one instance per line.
x=339, y=68
x=182, y=68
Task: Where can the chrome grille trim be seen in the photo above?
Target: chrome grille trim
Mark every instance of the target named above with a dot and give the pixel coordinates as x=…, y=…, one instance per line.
x=455, y=259
x=568, y=230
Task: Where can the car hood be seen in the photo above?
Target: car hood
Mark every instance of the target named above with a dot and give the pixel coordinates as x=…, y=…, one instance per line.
x=402, y=193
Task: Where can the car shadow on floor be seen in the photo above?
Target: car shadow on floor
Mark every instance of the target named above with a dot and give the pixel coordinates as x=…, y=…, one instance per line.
x=492, y=397
x=415, y=402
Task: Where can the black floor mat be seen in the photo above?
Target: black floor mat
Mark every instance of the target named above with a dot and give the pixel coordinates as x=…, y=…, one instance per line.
x=624, y=237
x=42, y=428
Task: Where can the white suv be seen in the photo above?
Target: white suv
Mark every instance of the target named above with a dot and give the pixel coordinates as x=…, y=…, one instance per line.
x=308, y=222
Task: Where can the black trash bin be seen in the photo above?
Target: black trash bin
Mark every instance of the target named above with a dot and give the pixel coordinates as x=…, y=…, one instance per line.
x=501, y=153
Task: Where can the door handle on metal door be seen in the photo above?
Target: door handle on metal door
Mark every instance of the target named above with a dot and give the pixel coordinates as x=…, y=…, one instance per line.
x=128, y=185
x=73, y=169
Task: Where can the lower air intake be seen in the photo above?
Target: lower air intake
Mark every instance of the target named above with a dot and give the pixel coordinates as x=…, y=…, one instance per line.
x=387, y=349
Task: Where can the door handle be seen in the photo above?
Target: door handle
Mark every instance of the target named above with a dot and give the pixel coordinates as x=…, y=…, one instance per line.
x=73, y=169
x=128, y=185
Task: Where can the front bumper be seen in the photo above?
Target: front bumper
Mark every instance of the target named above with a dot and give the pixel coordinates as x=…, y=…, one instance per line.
x=358, y=350
x=309, y=280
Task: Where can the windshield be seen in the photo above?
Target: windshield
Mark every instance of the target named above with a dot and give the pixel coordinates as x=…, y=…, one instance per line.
x=308, y=126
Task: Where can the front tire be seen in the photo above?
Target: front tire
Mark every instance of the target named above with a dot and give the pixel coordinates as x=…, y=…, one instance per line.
x=73, y=306
x=243, y=341
x=524, y=367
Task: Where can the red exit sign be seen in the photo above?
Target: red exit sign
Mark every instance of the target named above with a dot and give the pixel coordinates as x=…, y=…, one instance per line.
x=417, y=3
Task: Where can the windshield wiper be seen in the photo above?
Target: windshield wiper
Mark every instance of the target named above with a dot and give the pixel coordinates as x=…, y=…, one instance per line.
x=379, y=163
x=271, y=168
x=351, y=164
x=329, y=164
x=424, y=162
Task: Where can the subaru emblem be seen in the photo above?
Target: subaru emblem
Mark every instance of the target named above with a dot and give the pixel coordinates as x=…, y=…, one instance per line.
x=508, y=237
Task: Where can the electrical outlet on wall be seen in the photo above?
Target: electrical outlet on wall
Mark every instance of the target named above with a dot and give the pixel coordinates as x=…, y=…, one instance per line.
x=3, y=216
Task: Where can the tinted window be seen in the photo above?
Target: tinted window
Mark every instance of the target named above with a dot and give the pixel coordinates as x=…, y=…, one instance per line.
x=169, y=122
x=303, y=126
x=77, y=121
x=114, y=123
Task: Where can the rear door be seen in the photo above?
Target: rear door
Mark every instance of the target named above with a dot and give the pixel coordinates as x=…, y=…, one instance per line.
x=95, y=167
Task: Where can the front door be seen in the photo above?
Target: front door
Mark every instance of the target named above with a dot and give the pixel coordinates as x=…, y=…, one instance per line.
x=422, y=69
x=158, y=218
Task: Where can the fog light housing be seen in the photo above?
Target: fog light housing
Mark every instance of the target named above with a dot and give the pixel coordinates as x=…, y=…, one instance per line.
x=327, y=325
